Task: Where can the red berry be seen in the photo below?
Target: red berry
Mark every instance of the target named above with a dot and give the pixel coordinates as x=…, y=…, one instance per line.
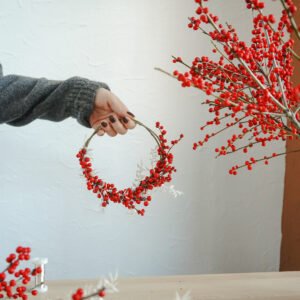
x=102, y=293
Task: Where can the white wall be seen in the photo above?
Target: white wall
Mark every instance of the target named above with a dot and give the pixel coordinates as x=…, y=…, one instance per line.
x=221, y=224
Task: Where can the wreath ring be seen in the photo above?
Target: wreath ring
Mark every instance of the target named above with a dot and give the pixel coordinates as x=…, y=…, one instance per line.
x=133, y=198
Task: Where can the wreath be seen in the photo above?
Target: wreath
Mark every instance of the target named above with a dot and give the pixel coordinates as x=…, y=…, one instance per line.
x=137, y=197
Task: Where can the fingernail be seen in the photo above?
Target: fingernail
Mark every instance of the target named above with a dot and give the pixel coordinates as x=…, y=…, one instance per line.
x=131, y=114
x=112, y=119
x=104, y=124
x=125, y=120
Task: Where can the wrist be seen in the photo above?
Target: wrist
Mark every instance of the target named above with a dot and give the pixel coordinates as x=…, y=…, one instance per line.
x=83, y=96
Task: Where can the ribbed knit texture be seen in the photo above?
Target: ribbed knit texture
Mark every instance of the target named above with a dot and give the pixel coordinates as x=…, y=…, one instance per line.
x=24, y=99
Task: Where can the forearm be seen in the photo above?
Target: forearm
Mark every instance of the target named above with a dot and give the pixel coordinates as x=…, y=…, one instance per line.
x=24, y=99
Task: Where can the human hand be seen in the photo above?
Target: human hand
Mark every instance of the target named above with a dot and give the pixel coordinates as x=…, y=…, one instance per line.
x=111, y=113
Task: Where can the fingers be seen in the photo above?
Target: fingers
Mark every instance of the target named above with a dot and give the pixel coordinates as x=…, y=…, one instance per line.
x=125, y=116
x=121, y=110
x=99, y=129
x=108, y=129
x=112, y=114
x=113, y=126
x=128, y=123
x=100, y=132
x=116, y=124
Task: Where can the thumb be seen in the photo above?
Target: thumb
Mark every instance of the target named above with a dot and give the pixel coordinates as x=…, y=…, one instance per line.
x=117, y=106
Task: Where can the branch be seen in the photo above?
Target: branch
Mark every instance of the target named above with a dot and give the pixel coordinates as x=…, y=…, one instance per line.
x=292, y=20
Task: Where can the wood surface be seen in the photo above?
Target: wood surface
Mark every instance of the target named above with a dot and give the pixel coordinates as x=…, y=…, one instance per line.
x=250, y=286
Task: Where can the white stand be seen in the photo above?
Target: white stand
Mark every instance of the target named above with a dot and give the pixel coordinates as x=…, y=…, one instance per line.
x=40, y=278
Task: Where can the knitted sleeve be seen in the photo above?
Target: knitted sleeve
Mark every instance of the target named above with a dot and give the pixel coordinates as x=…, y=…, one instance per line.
x=24, y=99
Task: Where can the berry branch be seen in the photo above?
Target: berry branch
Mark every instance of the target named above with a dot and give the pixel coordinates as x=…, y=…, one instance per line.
x=249, y=86
x=79, y=294
x=14, y=281
x=290, y=9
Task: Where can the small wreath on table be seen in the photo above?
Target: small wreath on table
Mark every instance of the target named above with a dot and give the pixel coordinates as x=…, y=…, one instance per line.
x=133, y=198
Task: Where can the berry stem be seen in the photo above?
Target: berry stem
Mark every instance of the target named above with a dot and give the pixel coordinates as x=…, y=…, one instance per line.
x=292, y=20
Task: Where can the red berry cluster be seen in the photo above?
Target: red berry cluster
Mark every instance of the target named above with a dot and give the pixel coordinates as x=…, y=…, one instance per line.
x=287, y=18
x=79, y=294
x=132, y=198
x=13, y=281
x=255, y=4
x=248, y=86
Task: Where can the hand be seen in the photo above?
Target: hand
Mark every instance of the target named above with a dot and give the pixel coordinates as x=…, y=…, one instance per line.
x=111, y=113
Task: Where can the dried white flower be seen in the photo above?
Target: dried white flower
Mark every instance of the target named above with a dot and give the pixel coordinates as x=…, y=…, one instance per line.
x=111, y=283
x=142, y=171
x=171, y=189
x=186, y=296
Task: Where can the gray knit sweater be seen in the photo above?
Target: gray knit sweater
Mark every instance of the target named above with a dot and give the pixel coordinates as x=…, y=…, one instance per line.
x=24, y=99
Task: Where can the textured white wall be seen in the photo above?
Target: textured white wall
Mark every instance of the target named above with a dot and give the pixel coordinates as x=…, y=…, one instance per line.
x=221, y=224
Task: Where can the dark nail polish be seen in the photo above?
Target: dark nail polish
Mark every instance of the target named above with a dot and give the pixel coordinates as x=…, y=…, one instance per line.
x=131, y=114
x=104, y=124
x=125, y=120
x=112, y=119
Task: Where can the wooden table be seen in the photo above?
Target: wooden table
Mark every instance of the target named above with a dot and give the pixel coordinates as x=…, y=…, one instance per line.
x=250, y=286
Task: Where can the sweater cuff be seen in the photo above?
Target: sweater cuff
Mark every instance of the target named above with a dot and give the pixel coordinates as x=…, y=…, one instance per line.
x=82, y=98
